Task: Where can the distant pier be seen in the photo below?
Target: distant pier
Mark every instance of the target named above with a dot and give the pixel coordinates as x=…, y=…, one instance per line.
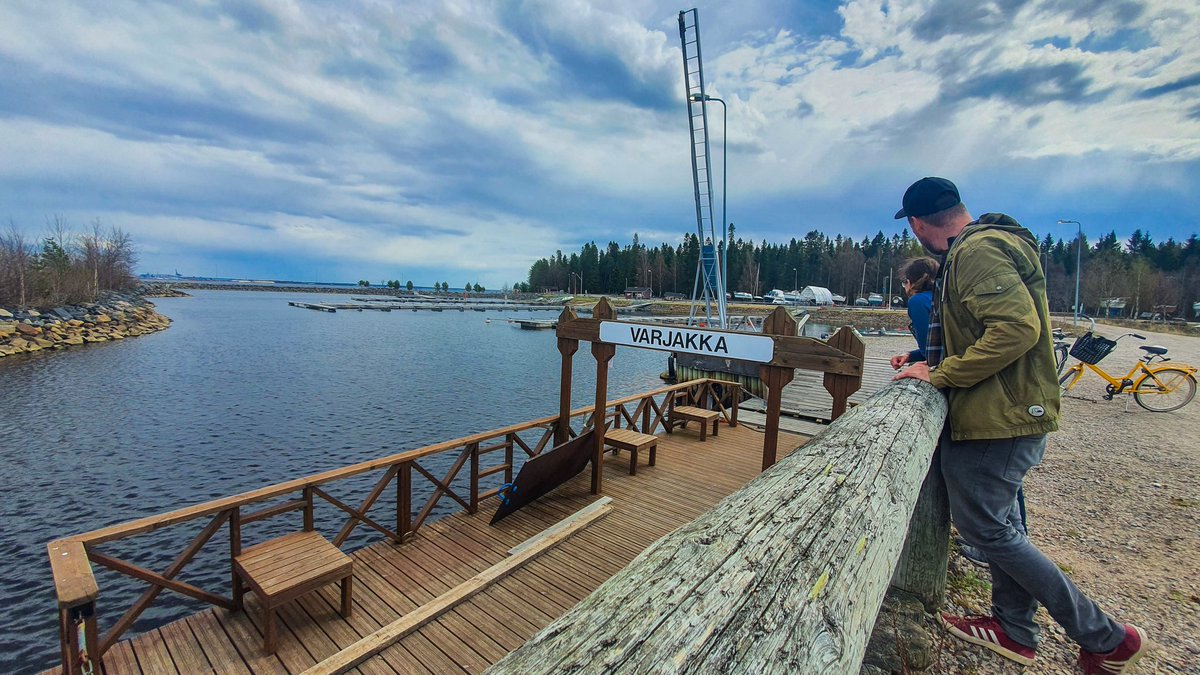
x=418, y=305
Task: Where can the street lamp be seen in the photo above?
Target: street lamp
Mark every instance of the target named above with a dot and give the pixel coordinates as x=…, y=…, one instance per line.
x=578, y=282
x=650, y=276
x=1078, y=264
x=795, y=278
x=704, y=98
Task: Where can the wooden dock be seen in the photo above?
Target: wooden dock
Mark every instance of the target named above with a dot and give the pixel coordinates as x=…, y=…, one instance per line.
x=391, y=581
x=806, y=399
x=534, y=324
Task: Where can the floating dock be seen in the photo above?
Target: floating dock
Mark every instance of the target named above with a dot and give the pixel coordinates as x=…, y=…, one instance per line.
x=535, y=324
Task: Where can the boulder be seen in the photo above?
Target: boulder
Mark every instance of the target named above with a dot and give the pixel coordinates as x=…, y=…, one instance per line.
x=5, y=314
x=103, y=318
x=26, y=329
x=61, y=312
x=75, y=323
x=42, y=342
x=33, y=313
x=73, y=340
x=899, y=643
x=7, y=328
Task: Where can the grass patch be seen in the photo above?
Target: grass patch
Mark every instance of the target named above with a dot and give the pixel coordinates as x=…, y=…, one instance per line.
x=969, y=584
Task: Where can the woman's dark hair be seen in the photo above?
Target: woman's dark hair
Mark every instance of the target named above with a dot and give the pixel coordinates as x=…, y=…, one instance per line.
x=920, y=273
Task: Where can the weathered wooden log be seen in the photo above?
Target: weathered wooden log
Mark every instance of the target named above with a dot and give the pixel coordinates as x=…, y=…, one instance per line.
x=921, y=570
x=785, y=575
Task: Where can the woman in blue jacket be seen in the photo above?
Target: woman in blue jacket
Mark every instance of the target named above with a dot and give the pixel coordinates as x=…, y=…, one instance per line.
x=917, y=277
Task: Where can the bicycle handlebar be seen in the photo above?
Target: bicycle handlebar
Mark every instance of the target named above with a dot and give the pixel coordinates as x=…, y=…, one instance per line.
x=1140, y=337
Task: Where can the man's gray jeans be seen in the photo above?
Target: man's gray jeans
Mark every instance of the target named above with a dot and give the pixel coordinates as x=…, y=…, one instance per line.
x=982, y=478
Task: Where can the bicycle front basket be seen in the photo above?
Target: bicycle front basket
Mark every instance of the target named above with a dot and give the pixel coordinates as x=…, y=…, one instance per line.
x=1092, y=348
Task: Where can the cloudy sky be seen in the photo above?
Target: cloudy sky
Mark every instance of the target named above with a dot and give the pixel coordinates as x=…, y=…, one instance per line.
x=460, y=140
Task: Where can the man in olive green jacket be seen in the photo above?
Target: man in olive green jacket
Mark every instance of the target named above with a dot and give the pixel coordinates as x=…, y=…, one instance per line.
x=990, y=350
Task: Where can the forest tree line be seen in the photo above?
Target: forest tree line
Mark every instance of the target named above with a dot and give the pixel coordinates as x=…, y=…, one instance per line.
x=64, y=267
x=1152, y=277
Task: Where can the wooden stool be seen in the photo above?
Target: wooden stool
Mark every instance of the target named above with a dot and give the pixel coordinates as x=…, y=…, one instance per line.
x=628, y=439
x=683, y=414
x=283, y=569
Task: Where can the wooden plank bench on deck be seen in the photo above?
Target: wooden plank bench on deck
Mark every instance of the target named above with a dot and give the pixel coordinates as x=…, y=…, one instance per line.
x=283, y=569
x=633, y=441
x=682, y=414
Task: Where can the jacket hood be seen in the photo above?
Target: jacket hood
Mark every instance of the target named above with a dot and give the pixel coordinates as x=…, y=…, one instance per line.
x=999, y=221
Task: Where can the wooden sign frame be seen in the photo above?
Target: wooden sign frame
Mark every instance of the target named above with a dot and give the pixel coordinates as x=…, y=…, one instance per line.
x=840, y=358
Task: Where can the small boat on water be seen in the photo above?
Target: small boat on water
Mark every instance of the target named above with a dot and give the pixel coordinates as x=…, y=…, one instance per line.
x=536, y=324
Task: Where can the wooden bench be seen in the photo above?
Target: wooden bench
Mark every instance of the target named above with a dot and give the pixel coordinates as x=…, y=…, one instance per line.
x=682, y=414
x=633, y=441
x=283, y=569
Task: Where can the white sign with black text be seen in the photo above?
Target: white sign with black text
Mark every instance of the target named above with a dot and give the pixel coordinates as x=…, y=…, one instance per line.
x=744, y=346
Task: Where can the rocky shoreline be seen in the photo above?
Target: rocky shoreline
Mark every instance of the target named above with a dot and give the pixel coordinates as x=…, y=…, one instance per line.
x=114, y=316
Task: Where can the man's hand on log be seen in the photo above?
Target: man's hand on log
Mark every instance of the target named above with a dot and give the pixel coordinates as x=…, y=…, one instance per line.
x=899, y=360
x=917, y=371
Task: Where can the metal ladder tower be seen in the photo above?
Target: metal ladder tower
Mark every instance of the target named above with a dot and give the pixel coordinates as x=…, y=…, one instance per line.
x=709, y=287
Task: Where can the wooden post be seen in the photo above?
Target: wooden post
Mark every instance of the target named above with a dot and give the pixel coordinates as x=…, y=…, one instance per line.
x=646, y=415
x=842, y=386
x=603, y=352
x=735, y=402
x=785, y=575
x=235, y=549
x=474, y=478
x=404, y=500
x=508, y=459
x=567, y=347
x=308, y=510
x=775, y=378
x=922, y=566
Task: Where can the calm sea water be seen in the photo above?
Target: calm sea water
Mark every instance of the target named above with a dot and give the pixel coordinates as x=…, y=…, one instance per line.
x=241, y=392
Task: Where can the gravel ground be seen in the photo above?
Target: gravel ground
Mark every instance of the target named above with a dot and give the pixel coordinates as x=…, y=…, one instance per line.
x=1116, y=504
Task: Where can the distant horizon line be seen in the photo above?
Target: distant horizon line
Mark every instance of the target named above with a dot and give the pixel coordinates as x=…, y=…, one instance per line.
x=145, y=276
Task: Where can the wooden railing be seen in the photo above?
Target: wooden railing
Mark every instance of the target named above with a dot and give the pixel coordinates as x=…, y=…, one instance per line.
x=72, y=558
x=785, y=575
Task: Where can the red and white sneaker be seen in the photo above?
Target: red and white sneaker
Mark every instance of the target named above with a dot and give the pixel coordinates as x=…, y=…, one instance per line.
x=986, y=631
x=1119, y=660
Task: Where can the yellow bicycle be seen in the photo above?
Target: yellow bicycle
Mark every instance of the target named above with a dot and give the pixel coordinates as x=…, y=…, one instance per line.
x=1155, y=386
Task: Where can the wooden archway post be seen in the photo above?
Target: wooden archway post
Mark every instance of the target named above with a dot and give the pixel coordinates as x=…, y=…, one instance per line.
x=775, y=378
x=567, y=347
x=840, y=387
x=603, y=352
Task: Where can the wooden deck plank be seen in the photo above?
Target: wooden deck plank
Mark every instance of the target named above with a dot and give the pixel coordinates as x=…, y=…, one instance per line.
x=246, y=633
x=221, y=652
x=184, y=649
x=360, y=624
x=438, y=646
x=120, y=660
x=375, y=613
x=152, y=654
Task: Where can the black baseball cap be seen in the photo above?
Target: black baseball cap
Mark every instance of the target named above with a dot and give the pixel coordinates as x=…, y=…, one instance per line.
x=928, y=195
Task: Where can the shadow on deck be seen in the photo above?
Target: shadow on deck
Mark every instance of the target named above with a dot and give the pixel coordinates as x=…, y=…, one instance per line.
x=390, y=581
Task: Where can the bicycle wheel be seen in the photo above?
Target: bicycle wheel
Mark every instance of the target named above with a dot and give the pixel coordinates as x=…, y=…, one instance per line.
x=1070, y=378
x=1165, y=389
x=1060, y=358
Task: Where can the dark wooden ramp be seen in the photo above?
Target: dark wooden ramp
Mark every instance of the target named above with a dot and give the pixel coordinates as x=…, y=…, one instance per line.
x=690, y=477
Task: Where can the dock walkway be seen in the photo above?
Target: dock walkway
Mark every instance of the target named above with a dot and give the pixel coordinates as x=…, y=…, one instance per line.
x=689, y=479
x=806, y=398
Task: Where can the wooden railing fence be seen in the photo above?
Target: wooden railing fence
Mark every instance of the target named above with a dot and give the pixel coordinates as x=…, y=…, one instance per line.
x=72, y=558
